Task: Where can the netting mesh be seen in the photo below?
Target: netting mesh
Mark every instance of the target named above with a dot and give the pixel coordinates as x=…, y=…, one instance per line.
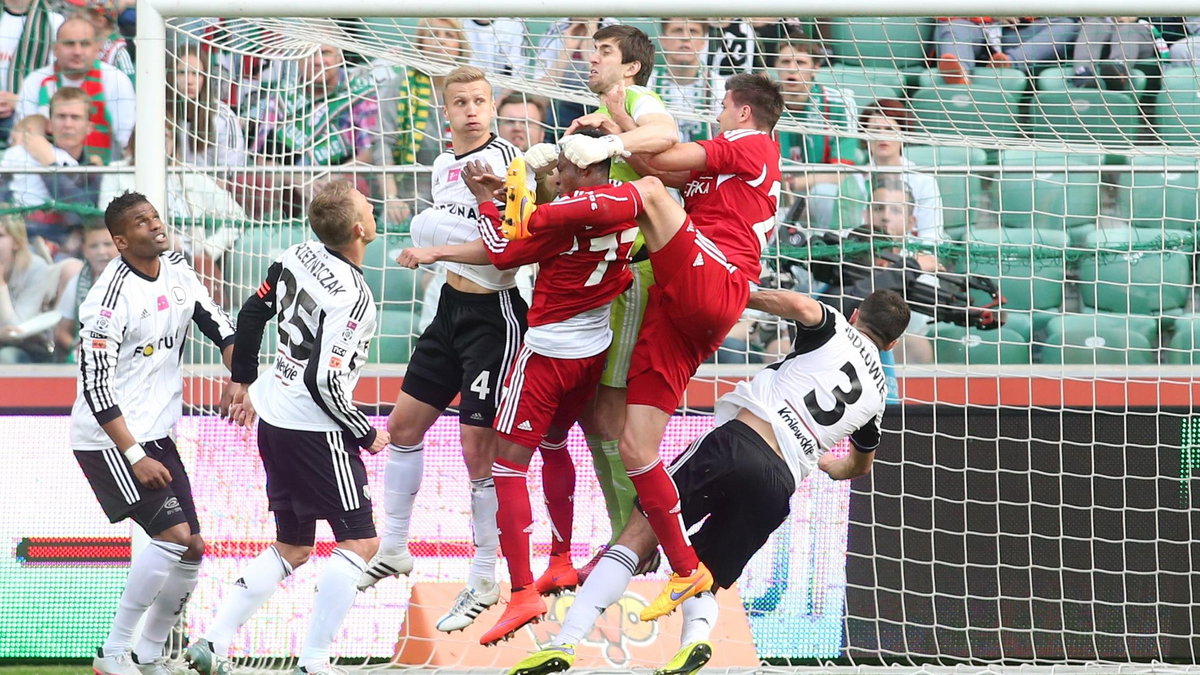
x=1032, y=182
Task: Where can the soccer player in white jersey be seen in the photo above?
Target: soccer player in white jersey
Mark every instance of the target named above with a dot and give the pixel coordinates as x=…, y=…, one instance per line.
x=772, y=431
x=310, y=434
x=464, y=352
x=134, y=321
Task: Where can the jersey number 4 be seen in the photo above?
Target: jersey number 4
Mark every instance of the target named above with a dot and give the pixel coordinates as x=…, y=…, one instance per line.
x=297, y=310
x=841, y=398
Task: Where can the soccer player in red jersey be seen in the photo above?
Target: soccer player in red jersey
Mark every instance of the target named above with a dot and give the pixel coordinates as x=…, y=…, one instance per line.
x=705, y=257
x=582, y=268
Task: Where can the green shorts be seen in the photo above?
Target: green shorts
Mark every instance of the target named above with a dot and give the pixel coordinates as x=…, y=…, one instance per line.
x=625, y=318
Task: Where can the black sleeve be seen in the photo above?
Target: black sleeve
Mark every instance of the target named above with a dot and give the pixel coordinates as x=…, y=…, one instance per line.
x=809, y=338
x=866, y=438
x=252, y=319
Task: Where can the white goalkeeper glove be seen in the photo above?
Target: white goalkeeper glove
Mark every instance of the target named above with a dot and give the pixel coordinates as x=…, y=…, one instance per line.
x=584, y=151
x=541, y=157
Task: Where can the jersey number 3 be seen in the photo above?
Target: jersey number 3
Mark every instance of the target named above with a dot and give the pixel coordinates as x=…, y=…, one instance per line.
x=841, y=398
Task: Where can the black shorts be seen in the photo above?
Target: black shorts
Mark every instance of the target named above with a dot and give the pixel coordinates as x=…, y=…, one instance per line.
x=735, y=479
x=121, y=496
x=316, y=475
x=466, y=351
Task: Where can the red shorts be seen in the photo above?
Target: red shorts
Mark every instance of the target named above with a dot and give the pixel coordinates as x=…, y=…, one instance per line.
x=696, y=299
x=542, y=392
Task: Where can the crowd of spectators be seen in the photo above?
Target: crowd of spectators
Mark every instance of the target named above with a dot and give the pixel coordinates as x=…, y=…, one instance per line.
x=237, y=124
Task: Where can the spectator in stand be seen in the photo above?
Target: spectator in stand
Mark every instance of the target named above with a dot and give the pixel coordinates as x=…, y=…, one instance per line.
x=747, y=45
x=113, y=48
x=816, y=106
x=207, y=131
x=28, y=293
x=98, y=249
x=412, y=120
x=521, y=120
x=496, y=45
x=562, y=61
x=27, y=30
x=1108, y=46
x=886, y=120
x=1186, y=50
x=327, y=120
x=68, y=128
x=76, y=65
x=964, y=42
x=686, y=83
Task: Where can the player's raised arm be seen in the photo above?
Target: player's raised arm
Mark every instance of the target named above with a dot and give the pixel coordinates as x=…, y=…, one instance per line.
x=788, y=305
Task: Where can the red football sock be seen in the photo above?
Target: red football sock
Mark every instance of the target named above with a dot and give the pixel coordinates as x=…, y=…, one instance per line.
x=660, y=501
x=514, y=517
x=558, y=484
x=604, y=205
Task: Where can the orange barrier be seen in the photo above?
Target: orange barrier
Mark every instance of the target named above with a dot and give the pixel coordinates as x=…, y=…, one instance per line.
x=618, y=640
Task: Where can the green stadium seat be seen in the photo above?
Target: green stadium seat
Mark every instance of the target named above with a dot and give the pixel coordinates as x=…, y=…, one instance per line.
x=965, y=110
x=1049, y=199
x=1029, y=324
x=1101, y=339
x=1085, y=116
x=1184, y=347
x=864, y=85
x=1011, y=81
x=954, y=344
x=1177, y=112
x=1058, y=78
x=886, y=42
x=398, y=330
x=388, y=281
x=1168, y=198
x=1132, y=272
x=246, y=265
x=1028, y=265
x=961, y=192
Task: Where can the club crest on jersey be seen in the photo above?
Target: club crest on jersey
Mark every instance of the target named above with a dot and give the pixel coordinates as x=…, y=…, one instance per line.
x=178, y=295
x=163, y=303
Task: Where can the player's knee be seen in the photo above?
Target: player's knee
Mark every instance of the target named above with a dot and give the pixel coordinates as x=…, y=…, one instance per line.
x=650, y=187
x=479, y=447
x=196, y=548
x=403, y=431
x=293, y=554
x=180, y=534
x=363, y=548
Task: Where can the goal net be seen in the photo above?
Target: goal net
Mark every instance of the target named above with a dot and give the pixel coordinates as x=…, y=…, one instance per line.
x=1031, y=504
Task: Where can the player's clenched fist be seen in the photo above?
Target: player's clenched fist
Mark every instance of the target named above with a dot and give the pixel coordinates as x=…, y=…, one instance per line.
x=584, y=151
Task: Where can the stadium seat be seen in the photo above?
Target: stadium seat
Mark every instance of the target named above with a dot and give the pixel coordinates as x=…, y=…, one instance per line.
x=864, y=85
x=886, y=42
x=1168, y=198
x=1008, y=80
x=246, y=265
x=1030, y=269
x=961, y=192
x=1100, y=339
x=965, y=110
x=1184, y=347
x=1177, y=113
x=1132, y=272
x=394, y=340
x=1058, y=78
x=387, y=280
x=1048, y=199
x=1084, y=116
x=955, y=344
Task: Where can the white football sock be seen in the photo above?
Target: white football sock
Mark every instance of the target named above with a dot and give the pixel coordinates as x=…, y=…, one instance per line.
x=147, y=574
x=335, y=596
x=604, y=587
x=487, y=534
x=165, y=611
x=699, y=616
x=401, y=482
x=255, y=586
